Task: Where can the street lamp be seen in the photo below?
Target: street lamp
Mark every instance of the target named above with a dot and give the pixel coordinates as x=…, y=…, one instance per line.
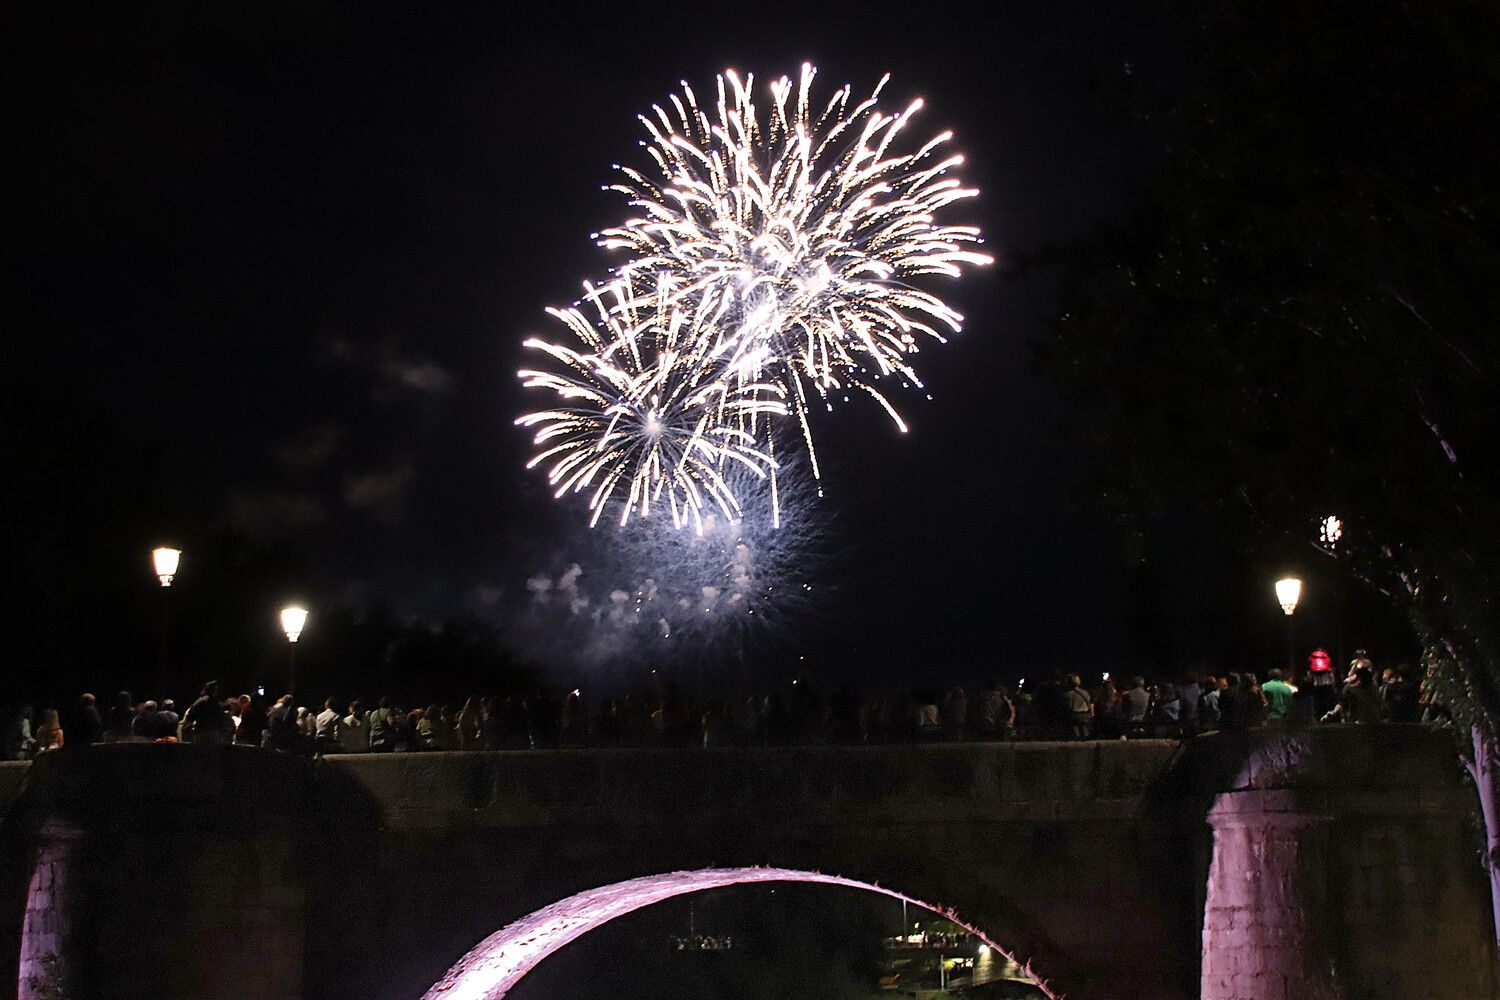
x=293, y=620
x=1288, y=592
x=165, y=561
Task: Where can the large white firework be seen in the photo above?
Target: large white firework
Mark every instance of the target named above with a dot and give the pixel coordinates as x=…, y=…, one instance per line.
x=650, y=412
x=771, y=264
x=811, y=220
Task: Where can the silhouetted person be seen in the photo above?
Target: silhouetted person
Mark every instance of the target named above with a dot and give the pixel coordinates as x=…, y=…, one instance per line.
x=929, y=725
x=1080, y=709
x=956, y=713
x=1167, y=712
x=282, y=732
x=1208, y=706
x=84, y=723
x=206, y=721
x=1320, y=678
x=1278, y=695
x=252, y=728
x=1360, y=701
x=144, y=726
x=382, y=727
x=470, y=724
x=992, y=713
x=1053, y=716
x=1189, y=706
x=1401, y=697
x=354, y=731
x=49, y=731
x=120, y=720
x=327, y=731
x=18, y=742
x=1234, y=713
x=1255, y=702
x=1109, y=712
x=1137, y=707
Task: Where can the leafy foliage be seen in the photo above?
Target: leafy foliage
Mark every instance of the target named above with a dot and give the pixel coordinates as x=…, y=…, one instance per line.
x=1298, y=318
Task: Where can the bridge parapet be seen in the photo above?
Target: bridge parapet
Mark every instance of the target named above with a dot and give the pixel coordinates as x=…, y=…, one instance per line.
x=1342, y=849
x=1013, y=782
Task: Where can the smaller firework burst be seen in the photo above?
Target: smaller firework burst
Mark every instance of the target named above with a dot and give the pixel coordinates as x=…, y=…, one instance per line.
x=651, y=413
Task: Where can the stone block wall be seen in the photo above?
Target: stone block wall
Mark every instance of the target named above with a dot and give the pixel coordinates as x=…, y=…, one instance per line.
x=1342, y=864
x=162, y=872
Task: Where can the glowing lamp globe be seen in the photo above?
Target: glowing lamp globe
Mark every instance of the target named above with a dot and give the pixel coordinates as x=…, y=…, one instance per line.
x=293, y=620
x=1288, y=592
x=165, y=560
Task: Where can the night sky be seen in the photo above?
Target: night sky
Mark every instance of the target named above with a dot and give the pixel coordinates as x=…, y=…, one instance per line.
x=280, y=259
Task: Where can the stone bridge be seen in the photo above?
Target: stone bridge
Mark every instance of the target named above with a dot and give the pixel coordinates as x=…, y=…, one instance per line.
x=1339, y=862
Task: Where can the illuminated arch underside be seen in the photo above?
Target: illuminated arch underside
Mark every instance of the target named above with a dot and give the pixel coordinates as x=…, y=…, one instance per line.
x=498, y=962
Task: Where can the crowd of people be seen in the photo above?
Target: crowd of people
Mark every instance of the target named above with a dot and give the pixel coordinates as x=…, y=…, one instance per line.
x=1059, y=707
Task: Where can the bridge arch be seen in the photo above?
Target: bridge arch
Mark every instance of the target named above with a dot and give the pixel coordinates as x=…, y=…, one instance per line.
x=492, y=967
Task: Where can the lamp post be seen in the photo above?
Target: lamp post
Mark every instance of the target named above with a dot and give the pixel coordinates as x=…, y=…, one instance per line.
x=164, y=560
x=293, y=620
x=1330, y=531
x=1288, y=593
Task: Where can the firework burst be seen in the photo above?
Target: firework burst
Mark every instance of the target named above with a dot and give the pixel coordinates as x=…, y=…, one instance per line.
x=809, y=221
x=649, y=410
x=771, y=263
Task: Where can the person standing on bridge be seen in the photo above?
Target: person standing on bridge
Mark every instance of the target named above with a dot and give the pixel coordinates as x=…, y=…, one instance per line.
x=1278, y=694
x=251, y=731
x=121, y=718
x=206, y=721
x=997, y=714
x=327, y=729
x=1137, y=707
x=383, y=728
x=49, y=732
x=84, y=722
x=1080, y=708
x=354, y=734
x=18, y=743
x=470, y=724
x=1360, y=702
x=281, y=726
x=1320, y=673
x=1189, y=705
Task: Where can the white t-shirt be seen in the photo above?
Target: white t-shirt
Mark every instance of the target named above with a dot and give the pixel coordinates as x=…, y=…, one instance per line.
x=354, y=735
x=327, y=723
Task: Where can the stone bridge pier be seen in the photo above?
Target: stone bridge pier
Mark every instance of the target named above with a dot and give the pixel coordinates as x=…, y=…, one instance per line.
x=1334, y=863
x=1343, y=868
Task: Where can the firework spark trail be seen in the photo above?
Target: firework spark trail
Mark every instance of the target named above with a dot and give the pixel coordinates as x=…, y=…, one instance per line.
x=647, y=410
x=769, y=265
